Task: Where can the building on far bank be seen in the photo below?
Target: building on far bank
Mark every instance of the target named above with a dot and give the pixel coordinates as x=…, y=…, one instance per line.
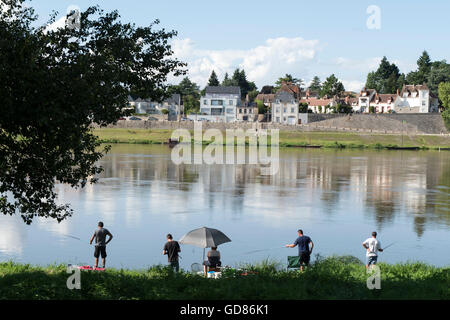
x=247, y=111
x=412, y=99
x=318, y=105
x=416, y=99
x=365, y=97
x=146, y=106
x=219, y=104
x=285, y=108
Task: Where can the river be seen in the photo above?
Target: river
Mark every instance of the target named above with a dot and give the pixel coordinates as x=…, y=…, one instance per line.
x=338, y=197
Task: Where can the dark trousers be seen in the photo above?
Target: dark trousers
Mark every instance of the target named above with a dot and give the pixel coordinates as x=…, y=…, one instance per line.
x=175, y=265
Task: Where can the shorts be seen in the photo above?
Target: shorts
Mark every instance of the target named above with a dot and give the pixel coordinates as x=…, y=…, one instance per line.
x=100, y=250
x=212, y=265
x=371, y=260
x=304, y=258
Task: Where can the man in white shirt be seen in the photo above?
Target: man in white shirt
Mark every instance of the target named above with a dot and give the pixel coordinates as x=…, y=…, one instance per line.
x=372, y=246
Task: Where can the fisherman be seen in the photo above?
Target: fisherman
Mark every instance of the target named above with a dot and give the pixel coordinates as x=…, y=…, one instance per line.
x=213, y=260
x=305, y=248
x=171, y=249
x=100, y=243
x=372, y=246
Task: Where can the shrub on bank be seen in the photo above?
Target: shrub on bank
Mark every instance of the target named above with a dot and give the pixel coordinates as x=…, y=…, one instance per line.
x=326, y=278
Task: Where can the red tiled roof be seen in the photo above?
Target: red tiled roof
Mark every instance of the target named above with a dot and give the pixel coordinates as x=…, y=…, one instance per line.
x=313, y=102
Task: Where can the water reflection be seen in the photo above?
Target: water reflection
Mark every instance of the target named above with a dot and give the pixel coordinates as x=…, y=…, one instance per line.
x=387, y=183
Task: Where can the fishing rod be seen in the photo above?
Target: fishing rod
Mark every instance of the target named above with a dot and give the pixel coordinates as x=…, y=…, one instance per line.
x=389, y=245
x=73, y=237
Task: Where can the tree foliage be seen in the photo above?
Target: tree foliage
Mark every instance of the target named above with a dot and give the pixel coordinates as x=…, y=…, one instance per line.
x=288, y=78
x=190, y=95
x=54, y=85
x=213, y=80
x=315, y=85
x=332, y=87
x=386, y=79
x=444, y=96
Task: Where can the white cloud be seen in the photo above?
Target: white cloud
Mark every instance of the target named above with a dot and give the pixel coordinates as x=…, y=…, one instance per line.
x=58, y=24
x=353, y=85
x=366, y=65
x=262, y=64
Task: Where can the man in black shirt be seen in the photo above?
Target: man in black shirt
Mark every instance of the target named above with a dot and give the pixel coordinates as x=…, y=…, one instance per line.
x=305, y=248
x=171, y=248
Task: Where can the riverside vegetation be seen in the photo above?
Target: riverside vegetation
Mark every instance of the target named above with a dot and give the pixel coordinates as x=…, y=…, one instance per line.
x=293, y=139
x=337, y=277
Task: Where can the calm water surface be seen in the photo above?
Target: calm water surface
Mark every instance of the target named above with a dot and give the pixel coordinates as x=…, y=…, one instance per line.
x=336, y=197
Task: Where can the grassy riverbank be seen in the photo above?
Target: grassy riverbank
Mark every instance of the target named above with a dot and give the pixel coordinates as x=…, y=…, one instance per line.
x=331, y=278
x=293, y=139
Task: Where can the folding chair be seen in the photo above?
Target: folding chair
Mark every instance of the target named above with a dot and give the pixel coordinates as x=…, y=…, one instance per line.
x=293, y=262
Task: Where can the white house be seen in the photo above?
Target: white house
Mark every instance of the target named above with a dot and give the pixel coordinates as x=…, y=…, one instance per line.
x=219, y=104
x=318, y=105
x=383, y=103
x=285, y=108
x=416, y=99
x=147, y=106
x=364, y=99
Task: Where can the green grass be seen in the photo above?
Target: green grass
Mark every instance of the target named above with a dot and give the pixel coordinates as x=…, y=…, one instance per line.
x=330, y=278
x=293, y=139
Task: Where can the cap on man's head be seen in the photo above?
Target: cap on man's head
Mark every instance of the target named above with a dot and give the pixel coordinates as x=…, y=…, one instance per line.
x=100, y=224
x=300, y=231
x=374, y=234
x=169, y=236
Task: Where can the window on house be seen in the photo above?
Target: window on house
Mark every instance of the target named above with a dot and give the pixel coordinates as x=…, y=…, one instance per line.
x=278, y=109
x=249, y=110
x=292, y=110
x=240, y=110
x=205, y=102
x=284, y=109
x=230, y=102
x=245, y=111
x=216, y=102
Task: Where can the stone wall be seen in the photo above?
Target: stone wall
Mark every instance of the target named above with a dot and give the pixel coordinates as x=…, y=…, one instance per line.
x=417, y=123
x=383, y=123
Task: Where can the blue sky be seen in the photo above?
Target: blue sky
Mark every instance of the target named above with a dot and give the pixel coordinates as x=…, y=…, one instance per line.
x=304, y=38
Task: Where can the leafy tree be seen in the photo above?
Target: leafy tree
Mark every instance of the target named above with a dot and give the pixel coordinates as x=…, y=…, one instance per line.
x=55, y=84
x=423, y=72
x=213, y=80
x=262, y=108
x=386, y=78
x=444, y=96
x=227, y=82
x=332, y=87
x=288, y=78
x=240, y=79
x=440, y=72
x=190, y=94
x=303, y=107
x=315, y=84
x=252, y=95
